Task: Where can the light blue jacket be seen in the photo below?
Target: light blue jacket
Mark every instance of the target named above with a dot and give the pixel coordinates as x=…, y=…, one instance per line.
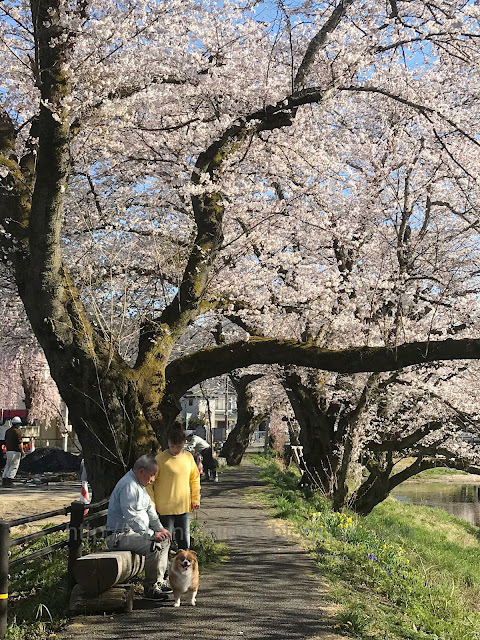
x=130, y=508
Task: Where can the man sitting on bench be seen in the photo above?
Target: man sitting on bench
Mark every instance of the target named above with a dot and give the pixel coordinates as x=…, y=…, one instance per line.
x=133, y=525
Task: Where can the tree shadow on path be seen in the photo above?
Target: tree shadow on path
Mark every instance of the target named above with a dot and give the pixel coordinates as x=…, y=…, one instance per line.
x=269, y=588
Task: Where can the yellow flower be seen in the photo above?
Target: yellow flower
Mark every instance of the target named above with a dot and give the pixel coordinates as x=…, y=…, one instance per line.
x=407, y=561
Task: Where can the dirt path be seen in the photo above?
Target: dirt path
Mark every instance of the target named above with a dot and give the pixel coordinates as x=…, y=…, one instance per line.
x=27, y=500
x=270, y=588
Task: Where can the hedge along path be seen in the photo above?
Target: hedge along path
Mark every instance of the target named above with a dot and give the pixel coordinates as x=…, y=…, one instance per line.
x=270, y=588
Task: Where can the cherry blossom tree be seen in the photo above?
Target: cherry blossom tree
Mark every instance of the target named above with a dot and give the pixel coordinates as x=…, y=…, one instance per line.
x=26, y=374
x=432, y=417
x=25, y=371
x=149, y=151
x=409, y=269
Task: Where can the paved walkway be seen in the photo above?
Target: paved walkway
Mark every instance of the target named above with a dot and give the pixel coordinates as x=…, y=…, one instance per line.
x=270, y=587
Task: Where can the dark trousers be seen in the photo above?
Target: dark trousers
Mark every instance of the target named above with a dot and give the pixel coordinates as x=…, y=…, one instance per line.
x=179, y=527
x=209, y=463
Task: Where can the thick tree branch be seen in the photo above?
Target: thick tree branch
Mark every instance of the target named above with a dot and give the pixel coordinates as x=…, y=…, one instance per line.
x=423, y=109
x=215, y=361
x=39, y=185
x=366, y=397
x=12, y=187
x=416, y=467
x=422, y=464
x=400, y=444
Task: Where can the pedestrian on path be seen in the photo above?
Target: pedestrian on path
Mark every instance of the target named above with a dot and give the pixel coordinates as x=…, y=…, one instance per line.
x=198, y=446
x=176, y=490
x=133, y=525
x=15, y=451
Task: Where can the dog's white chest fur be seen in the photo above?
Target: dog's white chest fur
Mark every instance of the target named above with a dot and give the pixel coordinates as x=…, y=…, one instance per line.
x=183, y=580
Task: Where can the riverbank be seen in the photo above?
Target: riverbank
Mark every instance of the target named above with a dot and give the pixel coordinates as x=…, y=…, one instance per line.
x=449, y=478
x=440, y=474
x=403, y=572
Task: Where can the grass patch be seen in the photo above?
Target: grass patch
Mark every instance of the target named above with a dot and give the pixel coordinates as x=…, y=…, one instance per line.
x=440, y=473
x=403, y=572
x=38, y=598
x=37, y=592
x=210, y=553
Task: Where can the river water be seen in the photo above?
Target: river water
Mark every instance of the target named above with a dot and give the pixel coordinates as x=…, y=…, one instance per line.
x=461, y=500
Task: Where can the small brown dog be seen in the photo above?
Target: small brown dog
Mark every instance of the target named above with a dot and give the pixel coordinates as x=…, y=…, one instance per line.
x=183, y=575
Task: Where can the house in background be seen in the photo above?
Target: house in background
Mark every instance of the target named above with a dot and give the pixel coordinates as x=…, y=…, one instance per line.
x=215, y=404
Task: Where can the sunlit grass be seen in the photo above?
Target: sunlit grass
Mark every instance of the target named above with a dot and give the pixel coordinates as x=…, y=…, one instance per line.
x=402, y=572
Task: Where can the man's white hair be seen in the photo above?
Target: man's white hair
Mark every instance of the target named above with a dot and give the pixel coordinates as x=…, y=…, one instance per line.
x=147, y=461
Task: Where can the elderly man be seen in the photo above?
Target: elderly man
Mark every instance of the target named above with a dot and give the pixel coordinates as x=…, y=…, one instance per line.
x=133, y=525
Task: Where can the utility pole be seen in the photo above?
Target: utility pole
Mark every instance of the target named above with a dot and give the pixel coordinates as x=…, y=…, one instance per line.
x=267, y=430
x=226, y=406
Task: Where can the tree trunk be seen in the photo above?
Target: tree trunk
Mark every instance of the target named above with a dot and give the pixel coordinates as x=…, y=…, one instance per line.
x=294, y=433
x=316, y=434
x=373, y=491
x=28, y=391
x=105, y=409
x=247, y=421
x=340, y=487
x=379, y=483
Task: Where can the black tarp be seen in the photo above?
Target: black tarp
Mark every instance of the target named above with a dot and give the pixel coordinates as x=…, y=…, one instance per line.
x=50, y=459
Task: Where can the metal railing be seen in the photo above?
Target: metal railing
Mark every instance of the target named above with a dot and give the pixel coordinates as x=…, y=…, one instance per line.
x=79, y=528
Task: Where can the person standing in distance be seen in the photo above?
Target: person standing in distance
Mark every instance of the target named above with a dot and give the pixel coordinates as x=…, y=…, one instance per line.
x=197, y=445
x=133, y=525
x=15, y=452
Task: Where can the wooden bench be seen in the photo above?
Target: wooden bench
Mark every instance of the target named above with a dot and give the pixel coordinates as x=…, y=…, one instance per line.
x=101, y=579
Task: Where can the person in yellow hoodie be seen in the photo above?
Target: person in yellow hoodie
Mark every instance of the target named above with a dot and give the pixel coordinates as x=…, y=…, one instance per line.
x=176, y=489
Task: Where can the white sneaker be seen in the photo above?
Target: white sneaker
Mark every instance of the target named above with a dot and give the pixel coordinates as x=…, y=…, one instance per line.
x=164, y=586
x=155, y=593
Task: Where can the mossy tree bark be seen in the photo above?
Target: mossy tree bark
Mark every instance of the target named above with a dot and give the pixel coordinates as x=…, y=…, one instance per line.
x=247, y=420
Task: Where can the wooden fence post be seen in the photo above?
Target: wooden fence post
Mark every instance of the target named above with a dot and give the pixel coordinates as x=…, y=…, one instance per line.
x=4, y=561
x=75, y=539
